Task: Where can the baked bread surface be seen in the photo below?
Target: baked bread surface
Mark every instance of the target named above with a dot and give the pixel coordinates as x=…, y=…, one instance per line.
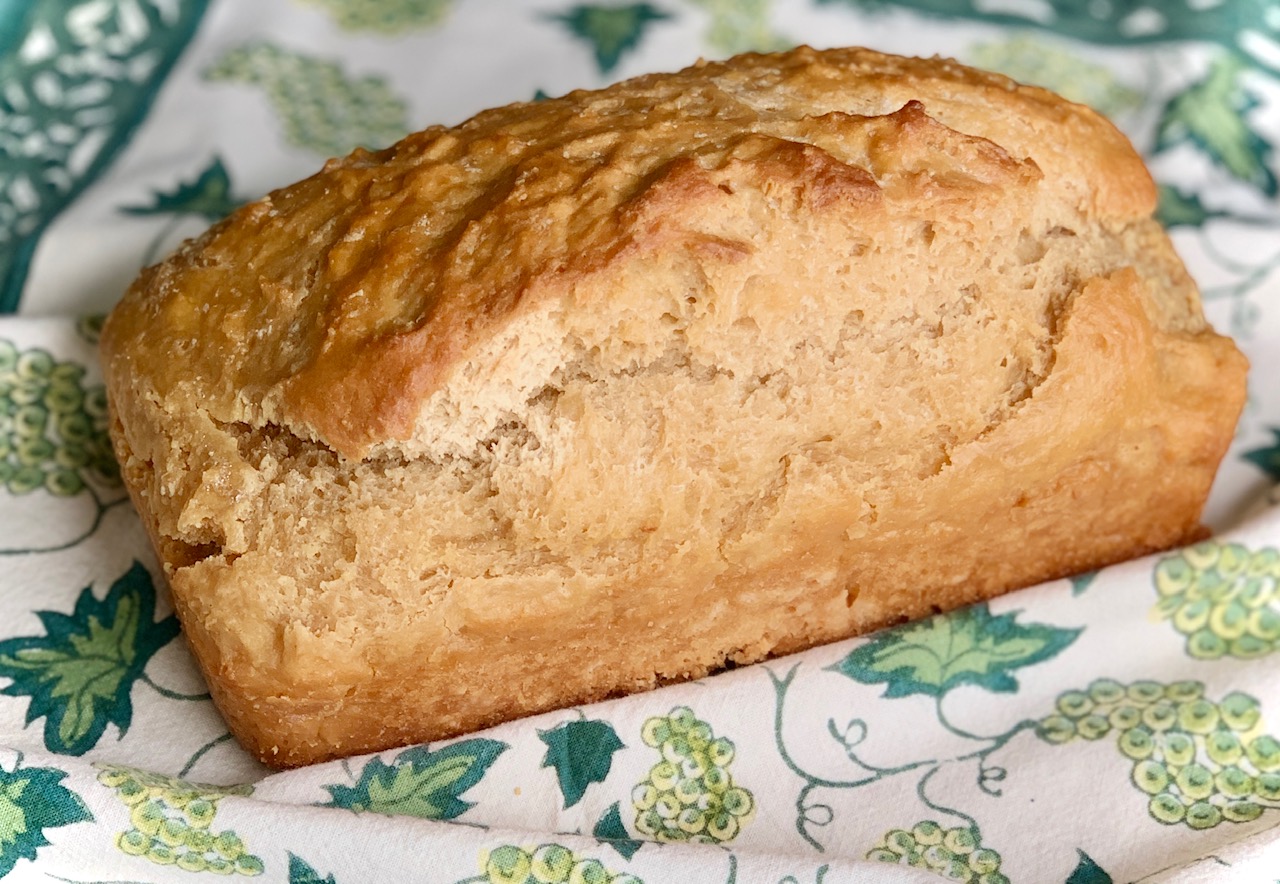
x=608, y=390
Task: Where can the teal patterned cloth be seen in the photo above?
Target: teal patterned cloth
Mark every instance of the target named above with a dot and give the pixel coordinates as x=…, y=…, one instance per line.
x=1119, y=726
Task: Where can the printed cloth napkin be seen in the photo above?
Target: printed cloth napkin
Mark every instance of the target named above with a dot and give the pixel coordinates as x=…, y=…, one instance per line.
x=1119, y=726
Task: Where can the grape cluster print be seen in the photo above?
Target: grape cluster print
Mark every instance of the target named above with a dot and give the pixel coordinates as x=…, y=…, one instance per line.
x=171, y=822
x=53, y=429
x=389, y=17
x=1200, y=762
x=956, y=853
x=323, y=109
x=689, y=794
x=1219, y=595
x=548, y=864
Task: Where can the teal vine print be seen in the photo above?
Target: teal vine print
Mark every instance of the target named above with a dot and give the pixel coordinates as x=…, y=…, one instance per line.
x=581, y=752
x=301, y=872
x=33, y=799
x=386, y=17
x=1087, y=871
x=1213, y=114
x=1201, y=763
x=89, y=327
x=172, y=822
x=1220, y=595
x=610, y=830
x=956, y=853
x=80, y=673
x=545, y=864
x=419, y=782
x=689, y=794
x=927, y=659
x=209, y=197
x=968, y=646
x=323, y=109
x=1178, y=209
x=79, y=78
x=611, y=31
x=1267, y=457
x=53, y=427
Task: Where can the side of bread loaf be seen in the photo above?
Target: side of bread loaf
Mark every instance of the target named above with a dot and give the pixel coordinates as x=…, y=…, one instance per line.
x=600, y=392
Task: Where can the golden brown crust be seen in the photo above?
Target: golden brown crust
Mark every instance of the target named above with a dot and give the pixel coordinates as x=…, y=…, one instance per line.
x=395, y=299
x=708, y=366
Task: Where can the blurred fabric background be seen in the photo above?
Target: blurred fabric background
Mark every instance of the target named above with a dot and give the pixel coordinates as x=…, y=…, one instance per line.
x=1113, y=727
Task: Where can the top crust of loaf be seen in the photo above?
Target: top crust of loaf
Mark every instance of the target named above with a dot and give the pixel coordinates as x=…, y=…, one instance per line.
x=358, y=308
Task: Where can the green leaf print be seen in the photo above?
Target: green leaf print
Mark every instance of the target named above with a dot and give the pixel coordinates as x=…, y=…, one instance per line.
x=53, y=427
x=388, y=17
x=1178, y=209
x=172, y=822
x=209, y=196
x=956, y=853
x=546, y=864
x=581, y=753
x=33, y=799
x=301, y=873
x=689, y=794
x=80, y=672
x=1219, y=595
x=420, y=782
x=610, y=830
x=1212, y=114
x=90, y=327
x=1088, y=872
x=969, y=646
x=1081, y=582
x=79, y=78
x=611, y=31
x=1201, y=763
x=1267, y=458
x=323, y=109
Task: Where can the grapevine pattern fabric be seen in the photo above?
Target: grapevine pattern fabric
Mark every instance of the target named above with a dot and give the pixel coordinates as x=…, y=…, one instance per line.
x=1118, y=726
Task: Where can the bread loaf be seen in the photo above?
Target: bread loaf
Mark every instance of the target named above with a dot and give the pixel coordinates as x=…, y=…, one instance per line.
x=596, y=393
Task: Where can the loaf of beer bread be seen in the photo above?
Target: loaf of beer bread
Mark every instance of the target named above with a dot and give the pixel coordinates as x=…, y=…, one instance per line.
x=596, y=393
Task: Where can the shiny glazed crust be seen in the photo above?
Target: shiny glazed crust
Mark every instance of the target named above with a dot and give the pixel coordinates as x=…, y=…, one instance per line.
x=591, y=394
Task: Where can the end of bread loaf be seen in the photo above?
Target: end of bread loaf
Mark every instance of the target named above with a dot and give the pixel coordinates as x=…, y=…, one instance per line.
x=710, y=366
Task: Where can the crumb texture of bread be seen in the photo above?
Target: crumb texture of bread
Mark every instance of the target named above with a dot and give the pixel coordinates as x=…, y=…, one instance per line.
x=588, y=395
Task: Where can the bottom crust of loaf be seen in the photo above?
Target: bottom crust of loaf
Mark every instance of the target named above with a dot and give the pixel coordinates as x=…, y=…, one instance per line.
x=418, y=707
x=421, y=706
